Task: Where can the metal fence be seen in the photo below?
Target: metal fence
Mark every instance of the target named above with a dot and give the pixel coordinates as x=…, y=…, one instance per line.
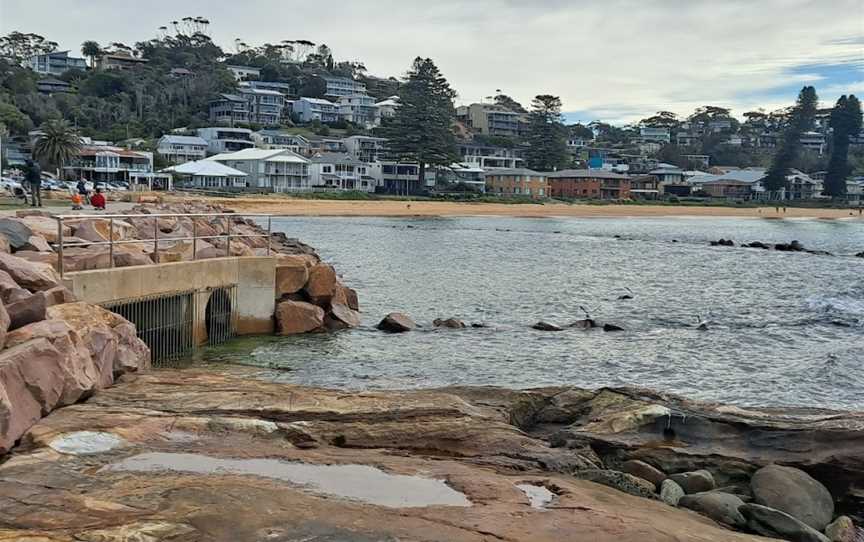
x=111, y=242
x=167, y=322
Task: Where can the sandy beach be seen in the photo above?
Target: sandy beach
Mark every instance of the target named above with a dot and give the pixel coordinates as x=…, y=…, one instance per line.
x=304, y=207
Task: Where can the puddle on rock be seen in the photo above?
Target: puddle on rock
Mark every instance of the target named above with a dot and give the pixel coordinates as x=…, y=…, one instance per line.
x=539, y=496
x=86, y=442
x=356, y=482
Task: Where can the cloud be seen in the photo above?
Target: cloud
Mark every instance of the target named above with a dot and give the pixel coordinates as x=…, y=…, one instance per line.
x=620, y=58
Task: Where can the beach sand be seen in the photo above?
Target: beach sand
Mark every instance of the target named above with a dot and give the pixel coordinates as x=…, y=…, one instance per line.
x=304, y=207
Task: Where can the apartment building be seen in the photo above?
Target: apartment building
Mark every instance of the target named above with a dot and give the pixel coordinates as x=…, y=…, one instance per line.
x=311, y=109
x=273, y=170
x=265, y=106
x=517, y=182
x=338, y=87
x=229, y=109
x=365, y=148
x=177, y=149
x=400, y=178
x=274, y=139
x=109, y=164
x=490, y=156
x=224, y=139
x=492, y=119
x=588, y=183
x=655, y=134
x=359, y=109
x=56, y=63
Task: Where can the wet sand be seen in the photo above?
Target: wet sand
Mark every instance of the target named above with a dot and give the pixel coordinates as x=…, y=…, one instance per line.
x=303, y=207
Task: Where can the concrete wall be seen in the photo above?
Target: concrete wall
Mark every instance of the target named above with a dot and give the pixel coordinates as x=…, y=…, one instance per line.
x=255, y=278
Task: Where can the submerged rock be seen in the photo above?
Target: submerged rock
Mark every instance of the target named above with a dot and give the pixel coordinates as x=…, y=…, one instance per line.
x=546, y=326
x=795, y=492
x=396, y=322
x=452, y=323
x=586, y=323
x=612, y=327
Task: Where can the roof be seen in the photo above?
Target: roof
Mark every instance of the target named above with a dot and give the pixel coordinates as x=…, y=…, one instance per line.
x=205, y=168
x=318, y=101
x=336, y=158
x=93, y=151
x=183, y=140
x=585, y=174
x=667, y=171
x=746, y=176
x=515, y=171
x=230, y=98
x=52, y=81
x=236, y=67
x=262, y=91
x=276, y=155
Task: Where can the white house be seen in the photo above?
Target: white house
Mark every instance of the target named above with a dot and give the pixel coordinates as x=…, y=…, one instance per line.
x=309, y=109
x=177, y=149
x=360, y=110
x=207, y=174
x=275, y=170
x=365, y=148
x=244, y=73
x=340, y=171
x=654, y=134
x=342, y=86
x=274, y=139
x=56, y=63
x=387, y=108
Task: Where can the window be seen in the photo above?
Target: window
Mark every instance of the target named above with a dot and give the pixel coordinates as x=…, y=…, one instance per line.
x=327, y=169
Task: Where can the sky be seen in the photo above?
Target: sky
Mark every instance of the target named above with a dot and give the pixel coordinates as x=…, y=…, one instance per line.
x=611, y=60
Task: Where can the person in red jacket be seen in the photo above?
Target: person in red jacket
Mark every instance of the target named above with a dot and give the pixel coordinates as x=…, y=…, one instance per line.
x=97, y=200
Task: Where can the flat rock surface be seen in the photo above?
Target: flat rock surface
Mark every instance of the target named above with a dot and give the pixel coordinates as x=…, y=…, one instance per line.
x=223, y=455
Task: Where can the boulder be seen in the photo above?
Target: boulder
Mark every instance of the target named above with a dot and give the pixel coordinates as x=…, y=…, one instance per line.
x=36, y=243
x=757, y=244
x=396, y=322
x=670, y=492
x=133, y=355
x=307, y=260
x=721, y=507
x=10, y=292
x=15, y=231
x=30, y=275
x=290, y=277
x=57, y=296
x=612, y=327
x=86, y=259
x=795, y=492
x=645, y=471
x=351, y=297
x=47, y=258
x=294, y=317
x=546, y=326
x=80, y=374
x=769, y=522
x=860, y=255
x=5, y=320
x=586, y=323
x=452, y=323
x=131, y=259
x=26, y=311
x=31, y=384
x=694, y=482
x=723, y=243
x=841, y=530
x=342, y=316
x=321, y=286
x=99, y=229
x=45, y=227
x=619, y=480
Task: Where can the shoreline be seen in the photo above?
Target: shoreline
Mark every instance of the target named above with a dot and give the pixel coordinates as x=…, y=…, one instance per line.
x=407, y=209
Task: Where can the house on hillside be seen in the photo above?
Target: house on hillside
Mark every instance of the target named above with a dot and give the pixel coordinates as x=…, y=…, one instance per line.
x=177, y=149
x=265, y=106
x=273, y=170
x=274, y=139
x=340, y=171
x=229, y=109
x=387, y=108
x=490, y=156
x=119, y=61
x=56, y=63
x=517, y=182
x=365, y=148
x=492, y=119
x=244, y=73
x=311, y=109
x=224, y=139
x=52, y=85
x=359, y=109
x=338, y=87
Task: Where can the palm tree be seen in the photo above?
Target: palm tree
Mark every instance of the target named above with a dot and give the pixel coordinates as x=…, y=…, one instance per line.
x=91, y=50
x=57, y=144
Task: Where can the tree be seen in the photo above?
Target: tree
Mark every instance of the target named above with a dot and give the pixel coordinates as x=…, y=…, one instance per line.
x=663, y=119
x=91, y=50
x=420, y=130
x=12, y=118
x=314, y=87
x=547, y=136
x=581, y=131
x=17, y=46
x=506, y=101
x=800, y=120
x=845, y=122
x=57, y=144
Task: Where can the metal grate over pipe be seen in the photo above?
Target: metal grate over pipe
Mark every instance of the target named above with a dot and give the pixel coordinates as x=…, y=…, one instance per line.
x=167, y=323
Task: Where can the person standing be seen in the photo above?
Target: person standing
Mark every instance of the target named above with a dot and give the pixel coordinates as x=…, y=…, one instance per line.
x=34, y=179
x=82, y=190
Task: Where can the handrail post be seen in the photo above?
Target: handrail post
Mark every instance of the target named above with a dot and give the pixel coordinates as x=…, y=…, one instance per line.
x=111, y=241
x=156, y=239
x=194, y=240
x=228, y=239
x=269, y=233
x=60, y=246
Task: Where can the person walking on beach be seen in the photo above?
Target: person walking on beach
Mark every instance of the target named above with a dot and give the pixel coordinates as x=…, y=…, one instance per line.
x=33, y=176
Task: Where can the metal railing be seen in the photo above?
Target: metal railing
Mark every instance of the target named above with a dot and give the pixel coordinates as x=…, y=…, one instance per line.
x=64, y=220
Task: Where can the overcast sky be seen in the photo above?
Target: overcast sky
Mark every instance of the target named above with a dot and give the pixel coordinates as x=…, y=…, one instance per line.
x=615, y=60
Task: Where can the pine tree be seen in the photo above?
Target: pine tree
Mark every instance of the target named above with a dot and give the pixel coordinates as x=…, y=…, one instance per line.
x=800, y=121
x=421, y=130
x=845, y=122
x=547, y=135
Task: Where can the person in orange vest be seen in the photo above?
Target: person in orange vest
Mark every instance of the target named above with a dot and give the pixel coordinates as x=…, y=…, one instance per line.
x=77, y=200
x=97, y=200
